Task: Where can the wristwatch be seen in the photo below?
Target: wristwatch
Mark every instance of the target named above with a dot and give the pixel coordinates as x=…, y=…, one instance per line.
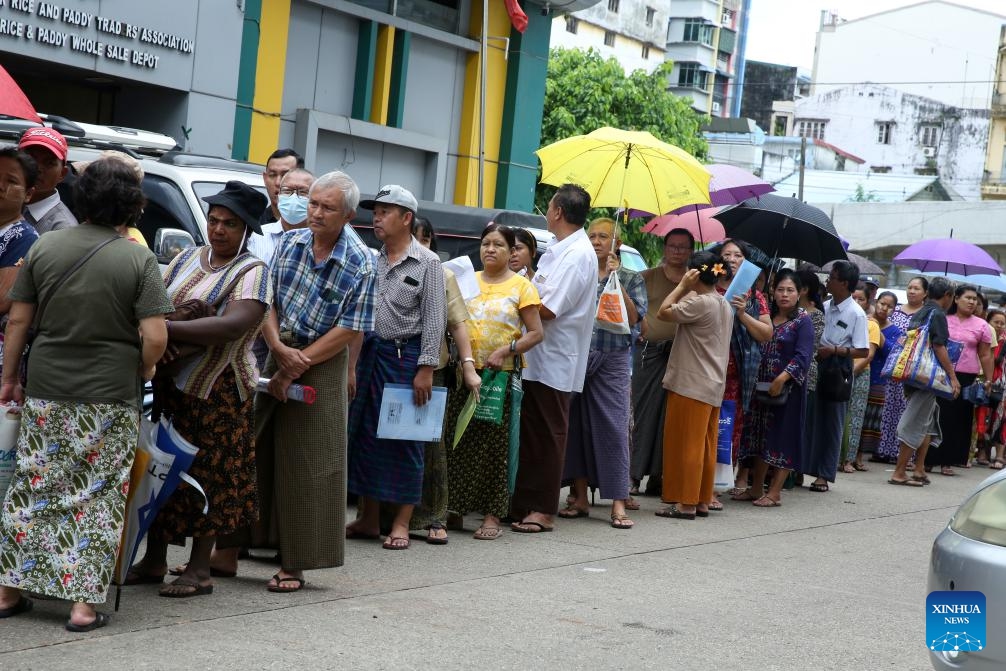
x=468, y=360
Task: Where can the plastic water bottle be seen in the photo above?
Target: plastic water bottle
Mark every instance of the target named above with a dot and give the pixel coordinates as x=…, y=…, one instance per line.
x=295, y=392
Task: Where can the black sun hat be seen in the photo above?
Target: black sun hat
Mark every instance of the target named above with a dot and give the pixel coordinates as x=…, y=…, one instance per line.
x=247, y=202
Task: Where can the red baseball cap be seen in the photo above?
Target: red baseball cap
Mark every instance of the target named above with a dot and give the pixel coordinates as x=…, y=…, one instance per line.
x=51, y=139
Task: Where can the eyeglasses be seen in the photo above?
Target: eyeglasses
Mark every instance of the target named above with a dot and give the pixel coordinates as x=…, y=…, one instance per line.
x=287, y=191
x=678, y=248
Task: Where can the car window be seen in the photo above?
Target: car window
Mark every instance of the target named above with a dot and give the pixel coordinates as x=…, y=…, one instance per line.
x=632, y=260
x=166, y=208
x=202, y=189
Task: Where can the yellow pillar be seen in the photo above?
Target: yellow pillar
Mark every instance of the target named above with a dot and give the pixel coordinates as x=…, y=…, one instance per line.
x=466, y=181
x=274, y=30
x=382, y=74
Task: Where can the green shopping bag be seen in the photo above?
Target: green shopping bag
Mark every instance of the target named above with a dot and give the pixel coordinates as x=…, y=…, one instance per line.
x=513, y=458
x=492, y=395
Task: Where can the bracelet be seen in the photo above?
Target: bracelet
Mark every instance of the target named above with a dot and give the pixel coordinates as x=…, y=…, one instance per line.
x=468, y=360
x=513, y=346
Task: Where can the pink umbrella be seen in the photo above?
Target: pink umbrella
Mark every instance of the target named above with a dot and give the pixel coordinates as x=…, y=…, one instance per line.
x=699, y=222
x=13, y=101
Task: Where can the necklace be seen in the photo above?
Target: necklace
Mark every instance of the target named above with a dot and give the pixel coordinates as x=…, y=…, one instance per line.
x=209, y=261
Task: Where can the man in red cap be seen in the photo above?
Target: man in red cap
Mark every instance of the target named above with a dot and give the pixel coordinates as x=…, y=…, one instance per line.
x=44, y=210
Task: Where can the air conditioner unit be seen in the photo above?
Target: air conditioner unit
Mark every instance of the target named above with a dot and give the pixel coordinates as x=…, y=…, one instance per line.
x=716, y=110
x=929, y=152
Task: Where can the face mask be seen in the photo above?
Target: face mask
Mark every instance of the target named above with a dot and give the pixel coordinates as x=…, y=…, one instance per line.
x=293, y=208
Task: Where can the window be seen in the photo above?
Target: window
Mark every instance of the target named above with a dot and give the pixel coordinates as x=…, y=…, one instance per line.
x=880, y=168
x=884, y=129
x=572, y=23
x=811, y=129
x=727, y=18
x=613, y=6
x=692, y=75
x=609, y=38
x=646, y=52
x=650, y=13
x=697, y=30
x=929, y=135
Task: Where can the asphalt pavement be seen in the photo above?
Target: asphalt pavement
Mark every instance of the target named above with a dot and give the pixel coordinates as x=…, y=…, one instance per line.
x=826, y=581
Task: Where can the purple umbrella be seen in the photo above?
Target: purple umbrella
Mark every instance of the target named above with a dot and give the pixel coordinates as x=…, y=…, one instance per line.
x=729, y=185
x=947, y=255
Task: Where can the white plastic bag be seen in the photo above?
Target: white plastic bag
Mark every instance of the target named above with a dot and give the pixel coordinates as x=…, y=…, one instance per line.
x=611, y=313
x=10, y=425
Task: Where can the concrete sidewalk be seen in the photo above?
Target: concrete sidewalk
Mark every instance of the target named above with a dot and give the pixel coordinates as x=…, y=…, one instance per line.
x=827, y=581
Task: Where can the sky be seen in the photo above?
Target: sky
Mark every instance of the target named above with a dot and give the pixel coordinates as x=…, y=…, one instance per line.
x=784, y=31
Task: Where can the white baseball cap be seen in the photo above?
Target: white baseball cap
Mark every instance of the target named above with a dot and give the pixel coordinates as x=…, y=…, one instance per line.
x=392, y=194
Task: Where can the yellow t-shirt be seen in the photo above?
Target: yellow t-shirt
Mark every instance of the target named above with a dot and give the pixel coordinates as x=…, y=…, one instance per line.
x=873, y=334
x=494, y=316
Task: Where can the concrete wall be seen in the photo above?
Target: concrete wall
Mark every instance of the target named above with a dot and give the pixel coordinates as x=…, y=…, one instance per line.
x=773, y=82
x=852, y=114
x=925, y=42
x=628, y=50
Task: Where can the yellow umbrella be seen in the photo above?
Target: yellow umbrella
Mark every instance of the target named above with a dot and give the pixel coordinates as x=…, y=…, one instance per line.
x=620, y=166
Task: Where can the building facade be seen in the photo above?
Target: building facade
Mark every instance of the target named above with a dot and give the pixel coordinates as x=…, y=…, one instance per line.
x=767, y=85
x=897, y=132
x=630, y=31
x=705, y=41
x=941, y=50
x=994, y=179
x=388, y=91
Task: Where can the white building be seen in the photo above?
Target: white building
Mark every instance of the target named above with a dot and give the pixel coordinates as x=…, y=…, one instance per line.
x=897, y=132
x=703, y=37
x=631, y=31
x=940, y=50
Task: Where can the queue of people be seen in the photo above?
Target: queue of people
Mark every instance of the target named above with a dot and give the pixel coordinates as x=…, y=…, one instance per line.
x=539, y=397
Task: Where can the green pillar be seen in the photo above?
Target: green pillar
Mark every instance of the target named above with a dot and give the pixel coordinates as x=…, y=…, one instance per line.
x=522, y=113
x=399, y=73
x=247, y=65
x=363, y=84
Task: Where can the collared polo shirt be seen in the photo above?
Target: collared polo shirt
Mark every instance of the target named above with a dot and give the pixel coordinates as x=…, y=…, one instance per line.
x=844, y=325
x=264, y=246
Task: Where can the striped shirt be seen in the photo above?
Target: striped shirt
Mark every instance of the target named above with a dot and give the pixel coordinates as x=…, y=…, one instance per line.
x=411, y=300
x=186, y=278
x=313, y=298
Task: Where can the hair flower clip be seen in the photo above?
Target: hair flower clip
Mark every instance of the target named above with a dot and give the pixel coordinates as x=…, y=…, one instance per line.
x=705, y=268
x=719, y=270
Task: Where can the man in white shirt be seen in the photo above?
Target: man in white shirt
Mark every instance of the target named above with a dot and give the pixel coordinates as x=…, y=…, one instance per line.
x=844, y=338
x=566, y=280
x=292, y=206
x=45, y=211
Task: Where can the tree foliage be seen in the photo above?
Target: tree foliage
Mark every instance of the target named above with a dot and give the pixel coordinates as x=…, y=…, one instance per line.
x=584, y=92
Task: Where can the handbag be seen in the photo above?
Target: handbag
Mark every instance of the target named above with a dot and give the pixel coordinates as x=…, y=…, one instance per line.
x=975, y=393
x=190, y=310
x=834, y=379
x=36, y=322
x=762, y=393
x=611, y=313
x=723, y=475
x=913, y=362
x=10, y=424
x=491, y=396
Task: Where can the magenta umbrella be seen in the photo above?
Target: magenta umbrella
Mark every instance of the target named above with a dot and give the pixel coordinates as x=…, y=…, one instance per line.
x=699, y=223
x=13, y=101
x=730, y=185
x=948, y=255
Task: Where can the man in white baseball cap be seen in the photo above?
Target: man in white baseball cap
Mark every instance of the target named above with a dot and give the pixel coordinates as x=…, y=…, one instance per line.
x=404, y=348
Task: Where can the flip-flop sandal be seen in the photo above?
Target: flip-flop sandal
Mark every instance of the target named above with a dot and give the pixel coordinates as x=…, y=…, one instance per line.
x=924, y=479
x=436, y=540
x=997, y=465
x=572, y=513
x=395, y=543
x=743, y=496
x=905, y=483
x=860, y=467
x=100, y=620
x=142, y=579
x=519, y=527
x=766, y=502
x=715, y=507
x=198, y=590
x=23, y=605
x=362, y=535
x=815, y=487
x=619, y=522
x=673, y=512
x=947, y=471
x=631, y=504
x=284, y=590
x=487, y=533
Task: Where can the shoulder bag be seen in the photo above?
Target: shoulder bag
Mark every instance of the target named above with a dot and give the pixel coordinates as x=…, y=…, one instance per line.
x=913, y=362
x=36, y=322
x=762, y=393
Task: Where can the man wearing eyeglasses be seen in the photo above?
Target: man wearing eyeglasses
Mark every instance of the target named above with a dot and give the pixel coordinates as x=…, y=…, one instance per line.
x=650, y=363
x=291, y=202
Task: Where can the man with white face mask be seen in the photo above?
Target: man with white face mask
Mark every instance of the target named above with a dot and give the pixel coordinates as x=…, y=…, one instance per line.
x=292, y=206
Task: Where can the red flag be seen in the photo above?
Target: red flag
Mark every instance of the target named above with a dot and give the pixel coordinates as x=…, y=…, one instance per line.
x=517, y=16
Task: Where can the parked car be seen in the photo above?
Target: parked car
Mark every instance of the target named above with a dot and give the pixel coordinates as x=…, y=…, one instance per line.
x=970, y=555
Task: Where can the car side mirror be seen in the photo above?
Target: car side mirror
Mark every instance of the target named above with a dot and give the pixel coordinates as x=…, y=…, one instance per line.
x=169, y=242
